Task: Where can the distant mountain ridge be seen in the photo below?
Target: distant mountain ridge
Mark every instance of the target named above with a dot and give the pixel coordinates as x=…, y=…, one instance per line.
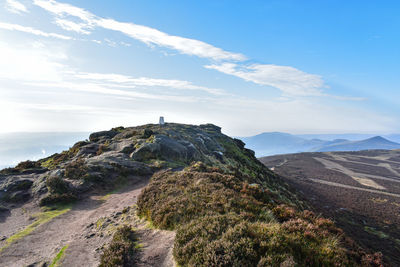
x=376, y=142
x=273, y=143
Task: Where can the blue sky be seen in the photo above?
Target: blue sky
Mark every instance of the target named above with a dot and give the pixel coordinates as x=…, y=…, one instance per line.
x=248, y=66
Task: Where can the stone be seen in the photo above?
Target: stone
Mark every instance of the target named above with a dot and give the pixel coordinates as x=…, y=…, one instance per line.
x=94, y=137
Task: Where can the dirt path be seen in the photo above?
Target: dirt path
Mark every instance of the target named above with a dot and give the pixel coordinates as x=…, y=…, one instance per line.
x=354, y=187
x=73, y=229
x=279, y=165
x=337, y=167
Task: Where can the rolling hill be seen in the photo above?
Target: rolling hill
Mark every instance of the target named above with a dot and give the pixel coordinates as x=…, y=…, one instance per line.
x=376, y=142
x=275, y=143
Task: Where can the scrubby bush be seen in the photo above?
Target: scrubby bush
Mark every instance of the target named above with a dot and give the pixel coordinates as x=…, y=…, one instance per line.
x=122, y=249
x=57, y=185
x=27, y=165
x=76, y=169
x=174, y=198
x=57, y=199
x=222, y=220
x=56, y=159
x=21, y=167
x=59, y=192
x=231, y=240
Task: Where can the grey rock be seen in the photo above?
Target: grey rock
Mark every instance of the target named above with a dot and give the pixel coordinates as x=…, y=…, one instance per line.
x=115, y=161
x=88, y=150
x=166, y=148
x=14, y=184
x=94, y=137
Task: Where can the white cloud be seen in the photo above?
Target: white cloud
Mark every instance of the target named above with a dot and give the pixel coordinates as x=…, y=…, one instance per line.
x=15, y=7
x=96, y=89
x=145, y=81
x=61, y=9
x=289, y=80
x=152, y=36
x=69, y=25
x=16, y=27
x=33, y=63
x=142, y=33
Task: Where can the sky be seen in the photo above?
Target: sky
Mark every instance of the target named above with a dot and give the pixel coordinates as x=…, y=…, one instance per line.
x=248, y=66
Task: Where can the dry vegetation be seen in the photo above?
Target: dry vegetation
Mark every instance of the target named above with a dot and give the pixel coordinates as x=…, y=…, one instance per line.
x=221, y=220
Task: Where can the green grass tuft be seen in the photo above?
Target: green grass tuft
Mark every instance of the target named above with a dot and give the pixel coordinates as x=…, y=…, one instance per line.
x=43, y=217
x=60, y=255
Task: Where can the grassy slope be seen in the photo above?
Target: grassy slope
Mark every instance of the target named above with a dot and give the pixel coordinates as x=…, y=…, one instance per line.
x=235, y=212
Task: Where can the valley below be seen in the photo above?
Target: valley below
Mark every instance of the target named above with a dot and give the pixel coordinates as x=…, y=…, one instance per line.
x=360, y=191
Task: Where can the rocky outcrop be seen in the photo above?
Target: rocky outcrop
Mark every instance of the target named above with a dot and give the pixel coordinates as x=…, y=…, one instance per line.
x=109, y=156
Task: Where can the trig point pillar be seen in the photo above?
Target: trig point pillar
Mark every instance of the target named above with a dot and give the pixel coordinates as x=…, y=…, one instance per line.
x=161, y=121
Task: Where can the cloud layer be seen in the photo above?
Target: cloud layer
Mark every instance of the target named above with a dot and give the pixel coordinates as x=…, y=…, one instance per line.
x=15, y=7
x=141, y=33
x=291, y=81
x=16, y=27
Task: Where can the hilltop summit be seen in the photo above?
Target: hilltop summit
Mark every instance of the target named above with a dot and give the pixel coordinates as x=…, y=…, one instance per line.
x=216, y=203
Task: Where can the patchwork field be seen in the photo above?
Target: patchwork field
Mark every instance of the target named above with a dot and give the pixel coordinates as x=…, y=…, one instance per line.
x=359, y=190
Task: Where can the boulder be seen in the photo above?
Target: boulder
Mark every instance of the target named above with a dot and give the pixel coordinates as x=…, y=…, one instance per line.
x=94, y=137
x=11, y=185
x=166, y=148
x=88, y=150
x=114, y=161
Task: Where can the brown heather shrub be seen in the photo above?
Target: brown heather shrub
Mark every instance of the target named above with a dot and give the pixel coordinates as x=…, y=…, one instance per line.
x=230, y=240
x=174, y=198
x=27, y=165
x=59, y=190
x=76, y=169
x=375, y=260
x=122, y=250
x=57, y=199
x=284, y=212
x=222, y=220
x=56, y=185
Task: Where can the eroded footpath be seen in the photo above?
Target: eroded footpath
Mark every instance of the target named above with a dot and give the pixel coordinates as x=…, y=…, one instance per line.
x=82, y=233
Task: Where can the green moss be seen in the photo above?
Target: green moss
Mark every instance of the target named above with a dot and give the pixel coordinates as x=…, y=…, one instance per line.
x=60, y=255
x=373, y=231
x=55, y=160
x=43, y=217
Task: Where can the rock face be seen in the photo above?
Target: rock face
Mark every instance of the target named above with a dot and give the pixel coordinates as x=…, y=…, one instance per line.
x=118, y=154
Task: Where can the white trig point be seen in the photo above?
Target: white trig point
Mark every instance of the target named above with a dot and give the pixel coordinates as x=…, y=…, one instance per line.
x=161, y=120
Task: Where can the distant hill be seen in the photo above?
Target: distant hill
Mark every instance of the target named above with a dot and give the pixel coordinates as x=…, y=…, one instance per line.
x=279, y=143
x=393, y=137
x=348, y=136
x=376, y=142
x=274, y=143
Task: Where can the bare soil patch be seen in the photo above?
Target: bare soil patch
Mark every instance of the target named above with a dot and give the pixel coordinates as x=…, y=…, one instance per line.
x=77, y=229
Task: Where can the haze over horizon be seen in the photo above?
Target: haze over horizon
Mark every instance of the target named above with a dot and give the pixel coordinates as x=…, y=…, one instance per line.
x=248, y=66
